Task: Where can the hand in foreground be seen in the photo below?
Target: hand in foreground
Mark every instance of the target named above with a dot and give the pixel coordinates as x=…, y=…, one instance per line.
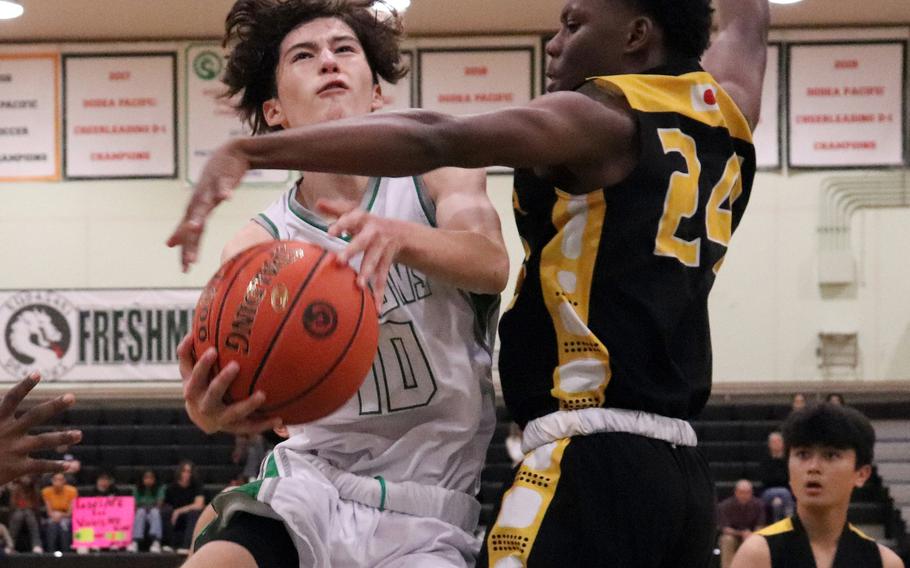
x=378, y=238
x=205, y=395
x=223, y=172
x=15, y=442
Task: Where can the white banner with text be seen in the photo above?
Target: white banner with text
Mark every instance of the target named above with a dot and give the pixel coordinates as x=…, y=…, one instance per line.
x=94, y=335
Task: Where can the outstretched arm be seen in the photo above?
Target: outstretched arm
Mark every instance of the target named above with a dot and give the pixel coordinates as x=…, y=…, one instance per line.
x=16, y=443
x=561, y=128
x=738, y=52
x=567, y=129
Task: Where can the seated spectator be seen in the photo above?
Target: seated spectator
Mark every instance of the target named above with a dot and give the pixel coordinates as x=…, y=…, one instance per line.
x=8, y=546
x=799, y=402
x=58, y=500
x=104, y=486
x=183, y=502
x=73, y=467
x=738, y=517
x=24, y=504
x=772, y=472
x=149, y=496
x=249, y=451
x=237, y=481
x=835, y=398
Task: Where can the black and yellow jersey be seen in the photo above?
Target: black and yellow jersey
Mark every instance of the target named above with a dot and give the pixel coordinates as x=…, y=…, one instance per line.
x=790, y=547
x=611, y=308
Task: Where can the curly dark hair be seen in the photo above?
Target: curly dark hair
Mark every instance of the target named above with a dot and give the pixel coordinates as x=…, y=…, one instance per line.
x=686, y=24
x=831, y=425
x=254, y=30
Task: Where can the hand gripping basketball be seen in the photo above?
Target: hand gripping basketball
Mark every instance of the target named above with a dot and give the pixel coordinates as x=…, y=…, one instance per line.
x=296, y=325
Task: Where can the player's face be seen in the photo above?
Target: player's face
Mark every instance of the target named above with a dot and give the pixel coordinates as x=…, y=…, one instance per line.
x=822, y=476
x=590, y=41
x=322, y=74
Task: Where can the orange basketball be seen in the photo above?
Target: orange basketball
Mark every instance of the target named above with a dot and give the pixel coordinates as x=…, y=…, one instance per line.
x=300, y=328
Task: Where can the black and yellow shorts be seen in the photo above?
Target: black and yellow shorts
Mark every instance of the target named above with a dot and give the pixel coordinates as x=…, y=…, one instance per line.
x=613, y=499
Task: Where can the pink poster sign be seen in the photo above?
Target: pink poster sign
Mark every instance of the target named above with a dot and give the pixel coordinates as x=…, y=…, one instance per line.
x=103, y=522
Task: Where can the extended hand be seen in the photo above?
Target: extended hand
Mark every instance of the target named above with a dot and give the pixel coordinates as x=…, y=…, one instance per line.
x=223, y=172
x=15, y=442
x=379, y=239
x=205, y=397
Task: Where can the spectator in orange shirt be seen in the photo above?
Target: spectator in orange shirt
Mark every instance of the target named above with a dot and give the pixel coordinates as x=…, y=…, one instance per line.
x=58, y=500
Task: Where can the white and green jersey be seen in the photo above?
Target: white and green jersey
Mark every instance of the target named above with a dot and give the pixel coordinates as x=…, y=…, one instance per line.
x=425, y=413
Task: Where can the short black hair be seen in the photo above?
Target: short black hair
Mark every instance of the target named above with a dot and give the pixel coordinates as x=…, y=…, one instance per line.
x=686, y=24
x=834, y=426
x=835, y=395
x=254, y=30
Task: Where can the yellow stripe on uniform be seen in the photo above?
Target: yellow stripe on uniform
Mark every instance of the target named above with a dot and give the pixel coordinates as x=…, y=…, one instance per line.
x=860, y=533
x=566, y=273
x=524, y=506
x=663, y=93
x=783, y=526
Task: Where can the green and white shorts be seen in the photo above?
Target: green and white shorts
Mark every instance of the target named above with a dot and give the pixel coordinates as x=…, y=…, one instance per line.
x=339, y=520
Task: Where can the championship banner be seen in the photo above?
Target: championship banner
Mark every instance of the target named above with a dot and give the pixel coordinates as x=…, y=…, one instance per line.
x=847, y=104
x=29, y=117
x=211, y=119
x=398, y=96
x=463, y=81
x=103, y=522
x=120, y=115
x=94, y=335
x=767, y=132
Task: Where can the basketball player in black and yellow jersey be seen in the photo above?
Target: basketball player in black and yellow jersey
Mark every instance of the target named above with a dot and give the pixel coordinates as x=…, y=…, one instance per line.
x=632, y=174
x=830, y=454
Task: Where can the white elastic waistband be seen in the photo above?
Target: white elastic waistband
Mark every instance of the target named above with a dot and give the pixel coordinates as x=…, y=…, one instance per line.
x=568, y=423
x=452, y=507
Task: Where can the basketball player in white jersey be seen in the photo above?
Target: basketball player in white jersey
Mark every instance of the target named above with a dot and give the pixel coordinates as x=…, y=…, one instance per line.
x=390, y=478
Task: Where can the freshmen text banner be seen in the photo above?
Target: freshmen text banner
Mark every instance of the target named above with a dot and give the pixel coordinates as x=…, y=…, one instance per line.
x=94, y=335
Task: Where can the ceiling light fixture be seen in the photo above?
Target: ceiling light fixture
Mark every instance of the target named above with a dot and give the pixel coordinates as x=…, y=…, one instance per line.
x=10, y=9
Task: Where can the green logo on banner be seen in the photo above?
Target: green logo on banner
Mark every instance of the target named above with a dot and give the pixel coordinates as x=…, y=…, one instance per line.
x=207, y=65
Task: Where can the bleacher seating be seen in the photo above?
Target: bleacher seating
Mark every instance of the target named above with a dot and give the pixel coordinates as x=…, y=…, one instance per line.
x=733, y=437
x=128, y=441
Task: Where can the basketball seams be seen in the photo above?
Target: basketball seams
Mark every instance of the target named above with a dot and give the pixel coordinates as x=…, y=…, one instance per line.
x=287, y=315
x=325, y=376
x=332, y=379
x=241, y=260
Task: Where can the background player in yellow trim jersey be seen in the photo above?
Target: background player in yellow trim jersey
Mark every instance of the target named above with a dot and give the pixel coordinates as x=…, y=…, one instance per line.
x=830, y=453
x=632, y=184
